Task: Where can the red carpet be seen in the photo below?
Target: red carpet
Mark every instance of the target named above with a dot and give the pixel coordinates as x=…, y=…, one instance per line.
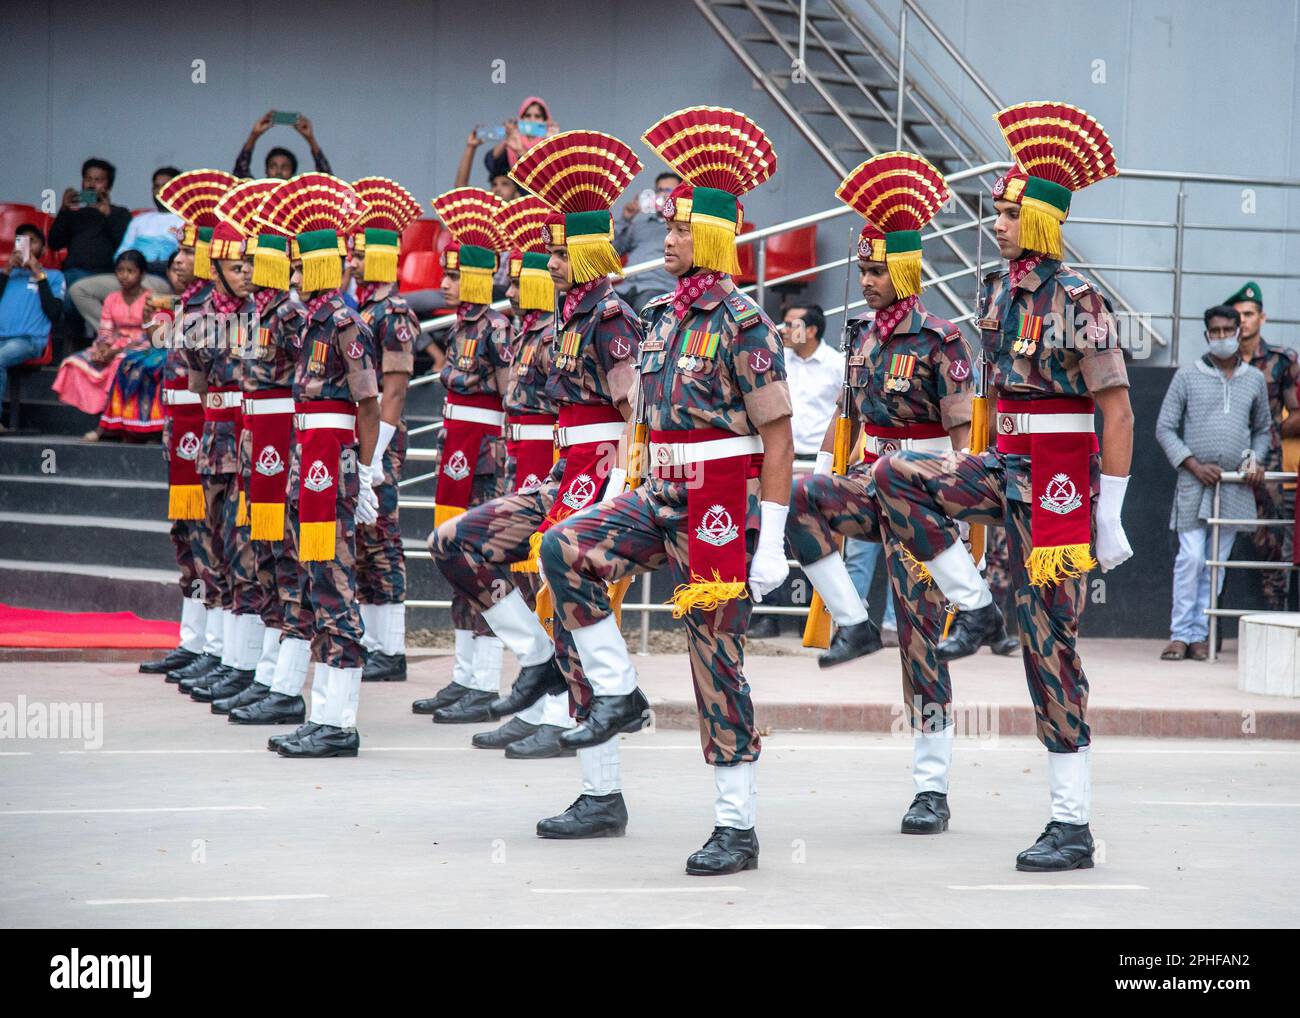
x=28, y=627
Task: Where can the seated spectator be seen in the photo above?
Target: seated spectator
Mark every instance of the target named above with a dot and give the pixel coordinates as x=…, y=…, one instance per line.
x=84, y=378
x=640, y=236
x=31, y=301
x=534, y=113
x=134, y=410
x=280, y=162
x=91, y=234
x=154, y=235
x=1215, y=417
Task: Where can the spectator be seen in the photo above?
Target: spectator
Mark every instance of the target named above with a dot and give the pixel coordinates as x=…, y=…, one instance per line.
x=91, y=233
x=531, y=125
x=154, y=235
x=31, y=301
x=134, y=408
x=640, y=236
x=1214, y=417
x=280, y=162
x=84, y=378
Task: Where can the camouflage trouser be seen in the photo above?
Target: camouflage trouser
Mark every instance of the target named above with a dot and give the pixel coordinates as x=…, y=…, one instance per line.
x=997, y=569
x=464, y=610
x=921, y=495
x=474, y=552
x=381, y=563
x=298, y=620
x=823, y=506
x=221, y=506
x=186, y=536
x=637, y=532
x=1273, y=544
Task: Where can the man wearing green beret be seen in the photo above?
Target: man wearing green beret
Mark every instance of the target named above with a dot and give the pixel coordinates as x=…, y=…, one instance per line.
x=1281, y=368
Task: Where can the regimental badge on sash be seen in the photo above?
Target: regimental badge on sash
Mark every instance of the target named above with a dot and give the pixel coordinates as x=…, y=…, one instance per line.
x=465, y=359
x=457, y=466
x=1061, y=496
x=717, y=528
x=581, y=491
x=269, y=462
x=1031, y=331
x=570, y=344
x=698, y=349
x=188, y=446
x=318, y=478
x=901, y=368
x=320, y=351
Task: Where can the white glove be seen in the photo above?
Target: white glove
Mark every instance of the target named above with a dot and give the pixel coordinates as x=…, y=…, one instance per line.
x=769, y=568
x=615, y=485
x=1112, y=546
x=367, y=511
x=386, y=433
x=824, y=461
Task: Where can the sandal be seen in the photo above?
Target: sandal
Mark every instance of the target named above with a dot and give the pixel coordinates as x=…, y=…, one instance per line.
x=1199, y=651
x=1175, y=651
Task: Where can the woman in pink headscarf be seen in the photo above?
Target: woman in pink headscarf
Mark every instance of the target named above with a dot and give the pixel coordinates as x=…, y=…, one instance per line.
x=533, y=115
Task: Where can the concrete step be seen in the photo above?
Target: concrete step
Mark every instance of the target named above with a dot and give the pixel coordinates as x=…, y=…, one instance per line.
x=68, y=457
x=39, y=494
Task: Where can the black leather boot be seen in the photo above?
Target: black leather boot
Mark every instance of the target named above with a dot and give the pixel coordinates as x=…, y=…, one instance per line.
x=1061, y=846
x=606, y=717
x=499, y=738
x=272, y=709
x=201, y=665
x=445, y=697
x=1002, y=642
x=215, y=676
x=276, y=741
x=532, y=683
x=850, y=642
x=236, y=682
x=541, y=745
x=728, y=850
x=250, y=694
x=169, y=662
x=590, y=816
x=971, y=630
x=470, y=709
x=928, y=814
x=325, y=741
x=382, y=667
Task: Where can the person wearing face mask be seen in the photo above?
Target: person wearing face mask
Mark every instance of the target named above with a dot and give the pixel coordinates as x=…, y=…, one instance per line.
x=1215, y=417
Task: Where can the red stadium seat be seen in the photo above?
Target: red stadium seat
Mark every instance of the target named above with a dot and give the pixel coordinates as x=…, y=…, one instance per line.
x=14, y=215
x=419, y=270
x=791, y=252
x=421, y=235
x=745, y=253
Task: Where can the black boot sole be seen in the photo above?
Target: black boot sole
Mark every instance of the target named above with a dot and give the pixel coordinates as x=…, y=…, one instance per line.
x=612, y=832
x=1085, y=863
x=749, y=864
x=296, y=719
x=917, y=830
x=318, y=756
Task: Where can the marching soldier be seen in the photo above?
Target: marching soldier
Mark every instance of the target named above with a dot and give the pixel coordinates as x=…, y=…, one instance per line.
x=1049, y=341
x=336, y=423
x=713, y=394
x=472, y=467
x=381, y=564
x=585, y=362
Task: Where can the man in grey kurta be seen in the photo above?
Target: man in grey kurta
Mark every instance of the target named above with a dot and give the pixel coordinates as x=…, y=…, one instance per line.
x=1214, y=418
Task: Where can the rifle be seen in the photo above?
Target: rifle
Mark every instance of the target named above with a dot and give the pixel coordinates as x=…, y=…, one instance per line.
x=817, y=630
x=545, y=602
x=635, y=473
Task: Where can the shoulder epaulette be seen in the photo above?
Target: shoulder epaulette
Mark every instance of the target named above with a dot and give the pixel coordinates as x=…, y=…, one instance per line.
x=611, y=307
x=663, y=298
x=743, y=310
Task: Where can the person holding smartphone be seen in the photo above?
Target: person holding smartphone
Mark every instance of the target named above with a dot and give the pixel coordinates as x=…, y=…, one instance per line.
x=530, y=125
x=31, y=301
x=280, y=162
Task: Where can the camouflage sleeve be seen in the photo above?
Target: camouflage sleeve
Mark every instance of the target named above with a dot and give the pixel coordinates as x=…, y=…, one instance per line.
x=197, y=356
x=499, y=353
x=354, y=341
x=1094, y=334
x=955, y=379
x=1290, y=380
x=395, y=338
x=758, y=365
x=618, y=346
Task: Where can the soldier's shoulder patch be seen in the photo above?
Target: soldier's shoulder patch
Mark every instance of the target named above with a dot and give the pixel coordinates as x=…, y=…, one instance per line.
x=610, y=307
x=345, y=316
x=397, y=305
x=744, y=312
x=663, y=300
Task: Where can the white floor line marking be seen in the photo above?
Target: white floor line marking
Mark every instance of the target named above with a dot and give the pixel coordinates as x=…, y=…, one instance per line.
x=706, y=889
x=190, y=901
x=25, y=752
x=1048, y=887
x=1255, y=805
x=151, y=752
x=142, y=809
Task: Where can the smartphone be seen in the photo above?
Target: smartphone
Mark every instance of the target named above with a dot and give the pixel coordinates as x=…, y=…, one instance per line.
x=284, y=117
x=88, y=197
x=490, y=133
x=647, y=200
x=533, y=128
x=23, y=245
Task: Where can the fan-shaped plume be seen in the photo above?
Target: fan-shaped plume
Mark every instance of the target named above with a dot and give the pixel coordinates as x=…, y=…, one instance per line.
x=520, y=223
x=240, y=205
x=312, y=201
x=895, y=191
x=193, y=195
x=391, y=206
x=1058, y=142
x=577, y=171
x=714, y=147
x=470, y=214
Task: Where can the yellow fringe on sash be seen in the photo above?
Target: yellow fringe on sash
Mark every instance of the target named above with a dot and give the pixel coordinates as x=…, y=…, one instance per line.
x=267, y=521
x=705, y=594
x=1040, y=230
x=316, y=542
x=593, y=257
x=475, y=285
x=185, y=502
x=916, y=567
x=546, y=609
x=380, y=265
x=1050, y=565
x=321, y=270
x=715, y=247
x=443, y=513
x=530, y=564
x=905, y=272
x=241, y=517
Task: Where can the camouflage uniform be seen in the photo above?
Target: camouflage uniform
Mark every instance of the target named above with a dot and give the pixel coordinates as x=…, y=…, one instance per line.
x=939, y=392
x=644, y=529
x=381, y=564
x=1273, y=544
x=474, y=551
x=324, y=594
x=191, y=538
x=922, y=495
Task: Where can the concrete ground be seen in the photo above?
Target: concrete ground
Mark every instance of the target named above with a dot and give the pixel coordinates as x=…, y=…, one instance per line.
x=181, y=819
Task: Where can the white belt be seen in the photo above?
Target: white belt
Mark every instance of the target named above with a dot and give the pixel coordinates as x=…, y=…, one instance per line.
x=583, y=434
x=531, y=432
x=181, y=397
x=678, y=454
x=1044, y=424
x=222, y=400
x=308, y=422
x=279, y=405
x=883, y=446
x=479, y=415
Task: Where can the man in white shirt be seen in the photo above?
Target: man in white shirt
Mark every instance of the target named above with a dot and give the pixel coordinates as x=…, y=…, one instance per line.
x=815, y=371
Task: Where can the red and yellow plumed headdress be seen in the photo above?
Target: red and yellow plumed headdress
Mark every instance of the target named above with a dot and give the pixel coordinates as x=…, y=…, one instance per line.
x=580, y=174
x=470, y=215
x=378, y=234
x=193, y=195
x=897, y=193
x=720, y=154
x=521, y=222
x=267, y=246
x=316, y=210
x=1058, y=149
